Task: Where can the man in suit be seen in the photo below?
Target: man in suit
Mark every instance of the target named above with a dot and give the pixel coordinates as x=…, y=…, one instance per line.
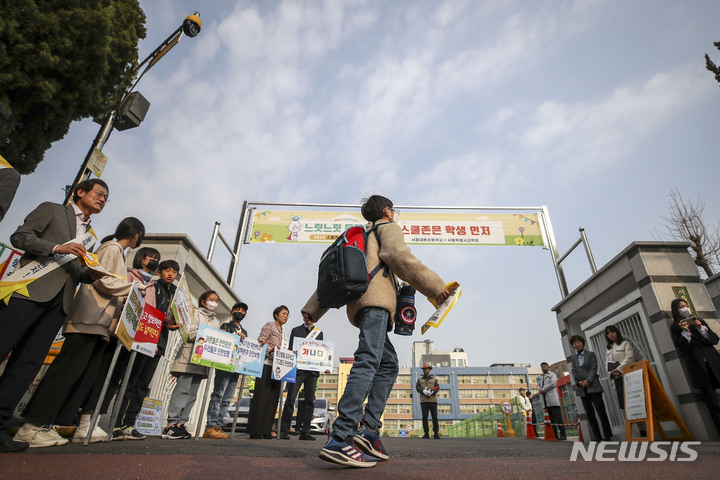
x=584, y=369
x=547, y=386
x=29, y=324
x=307, y=379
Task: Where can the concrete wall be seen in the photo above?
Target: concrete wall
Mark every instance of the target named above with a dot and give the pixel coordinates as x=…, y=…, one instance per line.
x=634, y=290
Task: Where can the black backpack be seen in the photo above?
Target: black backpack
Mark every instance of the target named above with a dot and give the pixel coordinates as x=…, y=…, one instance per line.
x=343, y=275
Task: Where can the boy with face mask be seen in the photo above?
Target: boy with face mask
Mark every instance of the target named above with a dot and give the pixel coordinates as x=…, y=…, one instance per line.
x=225, y=382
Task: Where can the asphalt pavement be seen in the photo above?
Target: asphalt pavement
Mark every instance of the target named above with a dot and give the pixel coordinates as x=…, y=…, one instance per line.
x=411, y=458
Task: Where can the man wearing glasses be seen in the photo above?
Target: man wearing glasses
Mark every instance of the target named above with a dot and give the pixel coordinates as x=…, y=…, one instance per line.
x=30, y=323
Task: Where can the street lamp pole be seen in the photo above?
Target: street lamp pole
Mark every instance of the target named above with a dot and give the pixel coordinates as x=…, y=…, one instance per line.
x=191, y=27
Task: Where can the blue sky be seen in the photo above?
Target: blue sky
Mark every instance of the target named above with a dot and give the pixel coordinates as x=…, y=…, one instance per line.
x=593, y=108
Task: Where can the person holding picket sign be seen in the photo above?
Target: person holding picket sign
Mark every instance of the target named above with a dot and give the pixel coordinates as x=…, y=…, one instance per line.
x=70, y=378
x=189, y=375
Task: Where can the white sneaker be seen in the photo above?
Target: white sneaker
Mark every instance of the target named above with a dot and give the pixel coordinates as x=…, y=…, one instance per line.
x=39, y=436
x=98, y=435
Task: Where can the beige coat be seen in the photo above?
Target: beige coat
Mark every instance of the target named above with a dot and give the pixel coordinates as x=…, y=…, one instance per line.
x=97, y=306
x=381, y=291
x=182, y=359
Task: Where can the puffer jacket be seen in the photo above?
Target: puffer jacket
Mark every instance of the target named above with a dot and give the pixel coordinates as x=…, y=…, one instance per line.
x=182, y=359
x=97, y=306
x=381, y=291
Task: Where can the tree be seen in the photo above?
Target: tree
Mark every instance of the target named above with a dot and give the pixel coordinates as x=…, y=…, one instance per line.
x=711, y=66
x=685, y=223
x=59, y=62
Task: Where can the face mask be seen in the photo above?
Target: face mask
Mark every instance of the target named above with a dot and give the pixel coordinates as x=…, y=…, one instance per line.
x=211, y=306
x=152, y=265
x=238, y=316
x=685, y=312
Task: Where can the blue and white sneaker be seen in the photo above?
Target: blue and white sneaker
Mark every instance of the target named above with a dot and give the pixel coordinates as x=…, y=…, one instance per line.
x=370, y=443
x=344, y=454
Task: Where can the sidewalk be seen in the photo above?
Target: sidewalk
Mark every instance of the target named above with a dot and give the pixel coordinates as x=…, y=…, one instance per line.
x=411, y=458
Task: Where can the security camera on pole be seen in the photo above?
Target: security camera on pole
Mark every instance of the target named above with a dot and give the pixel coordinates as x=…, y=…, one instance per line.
x=132, y=107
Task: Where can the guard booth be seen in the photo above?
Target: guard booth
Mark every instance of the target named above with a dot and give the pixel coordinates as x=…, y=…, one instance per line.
x=634, y=291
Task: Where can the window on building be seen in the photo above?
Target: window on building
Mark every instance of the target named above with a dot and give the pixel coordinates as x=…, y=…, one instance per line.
x=327, y=378
x=473, y=393
x=444, y=393
x=401, y=393
x=471, y=379
x=472, y=408
x=442, y=378
x=499, y=379
x=404, y=380
x=518, y=379
x=453, y=363
x=444, y=408
x=502, y=393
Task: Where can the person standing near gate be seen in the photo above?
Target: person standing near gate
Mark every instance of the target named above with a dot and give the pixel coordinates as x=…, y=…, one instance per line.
x=547, y=386
x=30, y=322
x=428, y=387
x=584, y=371
x=306, y=378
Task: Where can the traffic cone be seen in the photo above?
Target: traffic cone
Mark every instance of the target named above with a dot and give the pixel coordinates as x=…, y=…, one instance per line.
x=580, y=439
x=529, y=427
x=499, y=433
x=549, y=431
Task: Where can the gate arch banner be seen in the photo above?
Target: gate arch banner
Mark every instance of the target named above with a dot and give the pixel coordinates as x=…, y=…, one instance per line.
x=511, y=229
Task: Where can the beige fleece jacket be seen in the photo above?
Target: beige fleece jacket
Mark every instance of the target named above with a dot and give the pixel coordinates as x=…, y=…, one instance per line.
x=381, y=291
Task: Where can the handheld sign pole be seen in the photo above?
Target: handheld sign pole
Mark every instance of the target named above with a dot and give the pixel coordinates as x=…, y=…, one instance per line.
x=103, y=391
x=204, y=405
x=237, y=406
x=121, y=394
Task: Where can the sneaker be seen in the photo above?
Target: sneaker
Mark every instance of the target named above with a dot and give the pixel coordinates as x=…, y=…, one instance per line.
x=172, y=432
x=131, y=433
x=39, y=436
x=185, y=432
x=7, y=444
x=370, y=443
x=344, y=454
x=118, y=434
x=98, y=435
x=212, y=432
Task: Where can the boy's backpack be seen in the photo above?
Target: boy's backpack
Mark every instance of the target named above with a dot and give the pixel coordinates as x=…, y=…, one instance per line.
x=343, y=275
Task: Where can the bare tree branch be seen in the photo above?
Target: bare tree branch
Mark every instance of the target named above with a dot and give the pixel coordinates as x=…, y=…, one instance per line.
x=685, y=223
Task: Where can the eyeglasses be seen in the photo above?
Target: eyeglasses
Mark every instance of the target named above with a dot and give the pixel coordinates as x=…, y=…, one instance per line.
x=100, y=194
x=396, y=212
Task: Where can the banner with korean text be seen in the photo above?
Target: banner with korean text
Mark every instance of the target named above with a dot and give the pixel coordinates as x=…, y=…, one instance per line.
x=420, y=228
x=215, y=348
x=183, y=308
x=130, y=317
x=148, y=331
x=284, y=367
x=313, y=355
x=251, y=358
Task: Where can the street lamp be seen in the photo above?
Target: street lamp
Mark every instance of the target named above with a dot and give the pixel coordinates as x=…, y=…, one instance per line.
x=133, y=106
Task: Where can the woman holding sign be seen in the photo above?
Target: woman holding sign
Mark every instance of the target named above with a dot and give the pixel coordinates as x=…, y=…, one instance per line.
x=188, y=374
x=267, y=391
x=68, y=382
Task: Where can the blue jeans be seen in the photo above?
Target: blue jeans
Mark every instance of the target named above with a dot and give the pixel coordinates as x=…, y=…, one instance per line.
x=222, y=395
x=372, y=376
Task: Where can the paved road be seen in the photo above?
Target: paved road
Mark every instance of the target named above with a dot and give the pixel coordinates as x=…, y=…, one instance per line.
x=413, y=458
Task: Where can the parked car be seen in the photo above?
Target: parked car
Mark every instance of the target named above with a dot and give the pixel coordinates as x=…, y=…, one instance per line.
x=321, y=416
x=243, y=414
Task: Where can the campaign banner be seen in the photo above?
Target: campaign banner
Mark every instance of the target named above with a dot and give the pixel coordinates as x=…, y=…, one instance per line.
x=183, y=308
x=313, y=355
x=215, y=348
x=251, y=358
x=148, y=331
x=130, y=317
x=149, y=420
x=419, y=228
x=284, y=365
x=9, y=260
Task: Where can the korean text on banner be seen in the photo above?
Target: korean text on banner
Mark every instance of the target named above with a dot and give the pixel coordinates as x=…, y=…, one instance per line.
x=215, y=348
x=130, y=317
x=634, y=395
x=419, y=228
x=251, y=359
x=313, y=355
x=148, y=331
x=284, y=367
x=442, y=310
x=149, y=421
x=183, y=308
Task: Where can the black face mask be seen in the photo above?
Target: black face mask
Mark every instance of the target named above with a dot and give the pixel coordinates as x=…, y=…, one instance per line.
x=152, y=265
x=238, y=316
